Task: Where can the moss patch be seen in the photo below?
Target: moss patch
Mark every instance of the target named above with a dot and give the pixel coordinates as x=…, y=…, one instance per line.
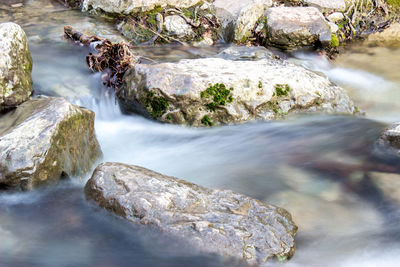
x=219, y=94
x=394, y=3
x=281, y=90
x=206, y=121
x=334, y=41
x=156, y=105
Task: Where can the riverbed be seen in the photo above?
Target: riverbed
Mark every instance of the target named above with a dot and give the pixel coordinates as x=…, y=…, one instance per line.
x=312, y=165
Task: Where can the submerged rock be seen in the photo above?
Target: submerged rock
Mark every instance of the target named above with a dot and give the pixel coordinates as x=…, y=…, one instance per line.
x=43, y=140
x=389, y=37
x=212, y=220
x=210, y=91
x=238, y=17
x=291, y=27
x=389, y=184
x=15, y=66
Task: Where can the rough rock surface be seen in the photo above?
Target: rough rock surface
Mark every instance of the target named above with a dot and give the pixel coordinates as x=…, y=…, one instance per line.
x=390, y=139
x=214, y=221
x=238, y=17
x=327, y=5
x=389, y=37
x=129, y=6
x=262, y=89
x=44, y=139
x=15, y=66
x=291, y=27
x=176, y=25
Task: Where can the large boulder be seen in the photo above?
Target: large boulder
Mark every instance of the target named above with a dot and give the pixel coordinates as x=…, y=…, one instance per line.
x=291, y=27
x=211, y=91
x=238, y=17
x=15, y=66
x=128, y=6
x=43, y=140
x=214, y=221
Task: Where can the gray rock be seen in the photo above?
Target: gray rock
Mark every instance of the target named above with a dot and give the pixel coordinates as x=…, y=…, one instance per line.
x=212, y=220
x=262, y=89
x=128, y=6
x=388, y=144
x=327, y=5
x=15, y=66
x=291, y=27
x=176, y=25
x=238, y=17
x=335, y=17
x=44, y=139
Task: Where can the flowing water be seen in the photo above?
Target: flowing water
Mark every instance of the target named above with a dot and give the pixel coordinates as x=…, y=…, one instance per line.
x=314, y=166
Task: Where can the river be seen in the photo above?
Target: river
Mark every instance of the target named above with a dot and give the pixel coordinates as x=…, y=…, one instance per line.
x=312, y=165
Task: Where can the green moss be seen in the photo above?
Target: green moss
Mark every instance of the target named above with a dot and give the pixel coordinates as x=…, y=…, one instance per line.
x=276, y=111
x=356, y=109
x=158, y=105
x=219, y=94
x=260, y=85
x=206, y=121
x=281, y=90
x=334, y=41
x=394, y=3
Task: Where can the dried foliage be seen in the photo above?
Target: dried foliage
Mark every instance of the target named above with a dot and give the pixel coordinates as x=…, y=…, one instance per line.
x=112, y=59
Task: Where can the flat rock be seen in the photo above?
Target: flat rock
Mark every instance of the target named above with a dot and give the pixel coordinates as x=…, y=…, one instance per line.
x=43, y=140
x=128, y=6
x=327, y=5
x=212, y=220
x=291, y=27
x=238, y=17
x=261, y=89
x=15, y=66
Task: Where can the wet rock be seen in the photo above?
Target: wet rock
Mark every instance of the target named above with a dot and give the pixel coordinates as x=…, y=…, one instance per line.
x=43, y=140
x=212, y=91
x=176, y=25
x=390, y=139
x=291, y=27
x=238, y=17
x=15, y=66
x=214, y=221
x=246, y=53
x=128, y=6
x=389, y=37
x=327, y=5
